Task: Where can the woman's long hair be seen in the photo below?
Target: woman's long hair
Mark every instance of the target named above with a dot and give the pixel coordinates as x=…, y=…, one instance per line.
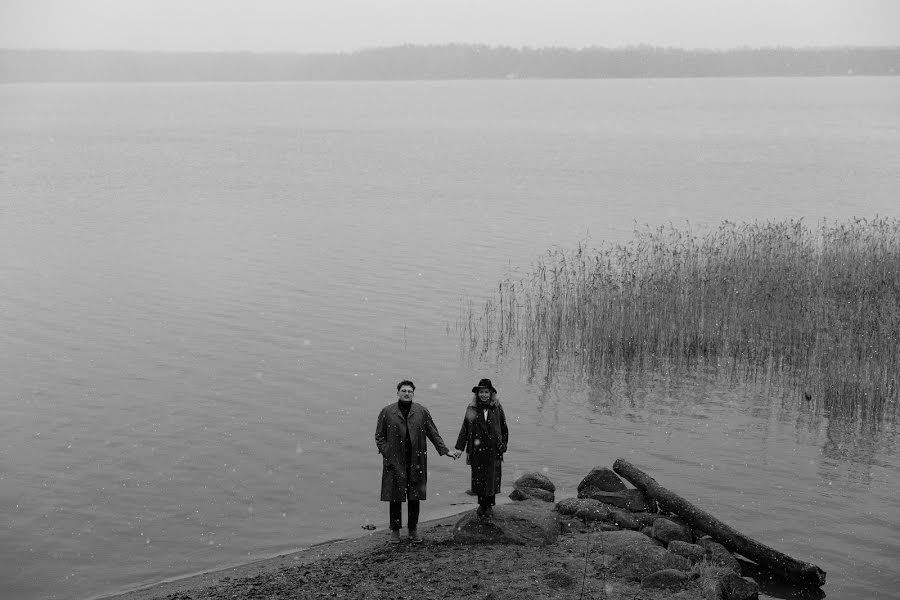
x=492, y=401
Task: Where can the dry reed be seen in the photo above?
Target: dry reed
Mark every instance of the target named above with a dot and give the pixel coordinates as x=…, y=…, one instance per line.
x=815, y=308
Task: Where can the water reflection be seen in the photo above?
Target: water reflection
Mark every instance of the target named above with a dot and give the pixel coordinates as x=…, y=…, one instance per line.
x=851, y=437
x=770, y=585
x=854, y=447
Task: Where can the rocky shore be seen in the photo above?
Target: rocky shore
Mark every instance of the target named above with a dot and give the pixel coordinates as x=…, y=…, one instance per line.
x=609, y=542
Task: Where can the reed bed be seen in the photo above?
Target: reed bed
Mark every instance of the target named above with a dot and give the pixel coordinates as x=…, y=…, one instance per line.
x=816, y=308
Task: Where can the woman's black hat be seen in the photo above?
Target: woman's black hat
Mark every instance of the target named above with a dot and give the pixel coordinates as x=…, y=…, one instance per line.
x=484, y=383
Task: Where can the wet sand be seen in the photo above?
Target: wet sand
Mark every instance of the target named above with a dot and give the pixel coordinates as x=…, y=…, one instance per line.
x=193, y=585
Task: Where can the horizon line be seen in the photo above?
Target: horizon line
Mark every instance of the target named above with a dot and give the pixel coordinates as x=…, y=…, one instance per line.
x=631, y=47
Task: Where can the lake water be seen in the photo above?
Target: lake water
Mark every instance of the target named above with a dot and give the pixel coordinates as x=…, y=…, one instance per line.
x=208, y=291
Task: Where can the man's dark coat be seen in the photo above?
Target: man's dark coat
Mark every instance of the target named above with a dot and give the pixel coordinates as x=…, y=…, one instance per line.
x=390, y=433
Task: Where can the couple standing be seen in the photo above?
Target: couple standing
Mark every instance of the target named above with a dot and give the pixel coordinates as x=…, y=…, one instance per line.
x=400, y=436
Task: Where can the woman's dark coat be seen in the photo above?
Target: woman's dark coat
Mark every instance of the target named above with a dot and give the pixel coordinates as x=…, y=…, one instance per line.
x=485, y=444
x=390, y=432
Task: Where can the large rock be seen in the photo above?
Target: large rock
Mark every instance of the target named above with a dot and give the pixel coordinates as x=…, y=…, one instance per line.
x=639, y=561
x=718, y=554
x=667, y=579
x=668, y=531
x=646, y=519
x=569, y=523
x=735, y=587
x=624, y=519
x=527, y=523
x=692, y=552
x=524, y=493
x=602, y=479
x=704, y=542
x=631, y=499
x=535, y=480
x=615, y=543
x=569, y=506
x=585, y=509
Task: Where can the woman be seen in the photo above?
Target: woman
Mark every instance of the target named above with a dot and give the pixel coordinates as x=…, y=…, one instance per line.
x=484, y=438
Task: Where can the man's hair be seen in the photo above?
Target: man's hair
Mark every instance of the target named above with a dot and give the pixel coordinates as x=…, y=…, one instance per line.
x=406, y=382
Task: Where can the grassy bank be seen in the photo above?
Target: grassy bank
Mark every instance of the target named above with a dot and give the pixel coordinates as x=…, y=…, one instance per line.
x=813, y=307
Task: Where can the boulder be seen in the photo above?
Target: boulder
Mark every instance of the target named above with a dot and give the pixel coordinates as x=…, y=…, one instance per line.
x=615, y=543
x=692, y=552
x=704, y=542
x=632, y=500
x=602, y=479
x=569, y=506
x=717, y=554
x=589, y=515
x=639, y=561
x=735, y=587
x=666, y=579
x=680, y=522
x=646, y=519
x=569, y=523
x=527, y=523
x=623, y=519
x=667, y=531
x=524, y=493
x=585, y=509
x=535, y=480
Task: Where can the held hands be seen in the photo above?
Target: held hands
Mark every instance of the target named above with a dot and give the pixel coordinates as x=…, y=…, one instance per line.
x=454, y=454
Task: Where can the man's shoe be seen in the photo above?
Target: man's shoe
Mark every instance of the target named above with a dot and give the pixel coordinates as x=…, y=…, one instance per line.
x=480, y=511
x=414, y=536
x=395, y=536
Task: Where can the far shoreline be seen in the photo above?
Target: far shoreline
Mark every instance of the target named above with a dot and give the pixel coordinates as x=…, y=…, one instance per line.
x=511, y=80
x=446, y=62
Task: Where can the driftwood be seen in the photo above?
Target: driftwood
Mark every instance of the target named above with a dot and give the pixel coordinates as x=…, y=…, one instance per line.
x=790, y=568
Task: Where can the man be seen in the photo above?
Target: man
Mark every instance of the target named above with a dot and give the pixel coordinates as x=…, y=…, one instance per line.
x=400, y=435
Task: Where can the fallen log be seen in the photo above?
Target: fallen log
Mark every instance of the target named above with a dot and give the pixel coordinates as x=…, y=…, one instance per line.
x=791, y=569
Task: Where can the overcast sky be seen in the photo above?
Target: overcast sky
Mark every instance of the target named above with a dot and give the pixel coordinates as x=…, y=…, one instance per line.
x=343, y=25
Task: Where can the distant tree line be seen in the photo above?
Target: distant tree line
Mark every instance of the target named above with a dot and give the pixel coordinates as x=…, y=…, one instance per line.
x=452, y=61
